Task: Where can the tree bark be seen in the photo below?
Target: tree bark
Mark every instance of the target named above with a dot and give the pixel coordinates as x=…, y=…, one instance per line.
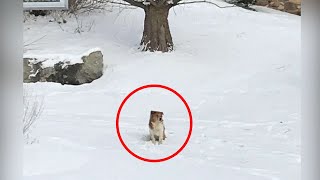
x=156, y=34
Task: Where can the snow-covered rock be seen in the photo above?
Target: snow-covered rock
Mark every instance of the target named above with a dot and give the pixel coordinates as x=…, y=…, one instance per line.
x=290, y=6
x=70, y=71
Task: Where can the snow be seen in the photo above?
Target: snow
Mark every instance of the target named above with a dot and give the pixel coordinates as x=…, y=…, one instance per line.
x=49, y=60
x=91, y=51
x=238, y=70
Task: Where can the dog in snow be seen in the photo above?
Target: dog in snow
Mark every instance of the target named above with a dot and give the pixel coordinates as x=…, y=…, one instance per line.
x=156, y=127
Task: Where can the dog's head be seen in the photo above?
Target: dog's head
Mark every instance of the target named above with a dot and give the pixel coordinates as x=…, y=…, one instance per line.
x=156, y=117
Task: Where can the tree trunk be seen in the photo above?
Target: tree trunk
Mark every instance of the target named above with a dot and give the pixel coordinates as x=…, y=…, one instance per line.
x=156, y=34
x=72, y=5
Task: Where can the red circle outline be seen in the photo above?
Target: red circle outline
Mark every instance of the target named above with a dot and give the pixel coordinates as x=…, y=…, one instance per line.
x=154, y=86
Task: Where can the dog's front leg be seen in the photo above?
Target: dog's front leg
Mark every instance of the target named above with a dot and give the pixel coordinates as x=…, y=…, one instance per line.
x=161, y=138
x=153, y=139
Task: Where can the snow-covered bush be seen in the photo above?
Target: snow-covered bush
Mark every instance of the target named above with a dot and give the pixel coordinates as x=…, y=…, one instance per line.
x=83, y=6
x=33, y=106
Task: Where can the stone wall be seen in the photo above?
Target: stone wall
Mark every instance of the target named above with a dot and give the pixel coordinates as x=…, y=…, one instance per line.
x=290, y=6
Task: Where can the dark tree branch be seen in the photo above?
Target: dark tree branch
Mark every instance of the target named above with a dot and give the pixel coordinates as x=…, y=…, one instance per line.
x=153, y=3
x=135, y=3
x=120, y=3
x=25, y=45
x=162, y=2
x=201, y=1
x=175, y=2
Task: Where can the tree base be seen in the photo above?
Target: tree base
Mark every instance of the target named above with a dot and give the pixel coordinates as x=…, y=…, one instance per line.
x=156, y=34
x=145, y=47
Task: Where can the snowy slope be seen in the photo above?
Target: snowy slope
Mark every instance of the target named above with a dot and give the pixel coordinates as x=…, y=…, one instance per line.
x=238, y=70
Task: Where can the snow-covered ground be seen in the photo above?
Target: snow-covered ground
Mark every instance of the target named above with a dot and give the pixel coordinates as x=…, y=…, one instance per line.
x=238, y=70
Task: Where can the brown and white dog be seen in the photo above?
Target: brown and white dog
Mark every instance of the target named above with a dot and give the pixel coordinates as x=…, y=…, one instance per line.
x=156, y=127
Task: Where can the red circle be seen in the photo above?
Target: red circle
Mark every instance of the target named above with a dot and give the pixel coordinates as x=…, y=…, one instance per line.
x=154, y=86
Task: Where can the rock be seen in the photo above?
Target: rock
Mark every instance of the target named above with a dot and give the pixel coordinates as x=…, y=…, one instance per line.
x=262, y=2
x=31, y=70
x=289, y=6
x=26, y=69
x=47, y=74
x=281, y=7
x=92, y=68
x=64, y=72
x=292, y=8
x=295, y=1
x=275, y=3
x=67, y=74
x=296, y=12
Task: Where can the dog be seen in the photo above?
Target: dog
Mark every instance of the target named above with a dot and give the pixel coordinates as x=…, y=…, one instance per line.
x=156, y=127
